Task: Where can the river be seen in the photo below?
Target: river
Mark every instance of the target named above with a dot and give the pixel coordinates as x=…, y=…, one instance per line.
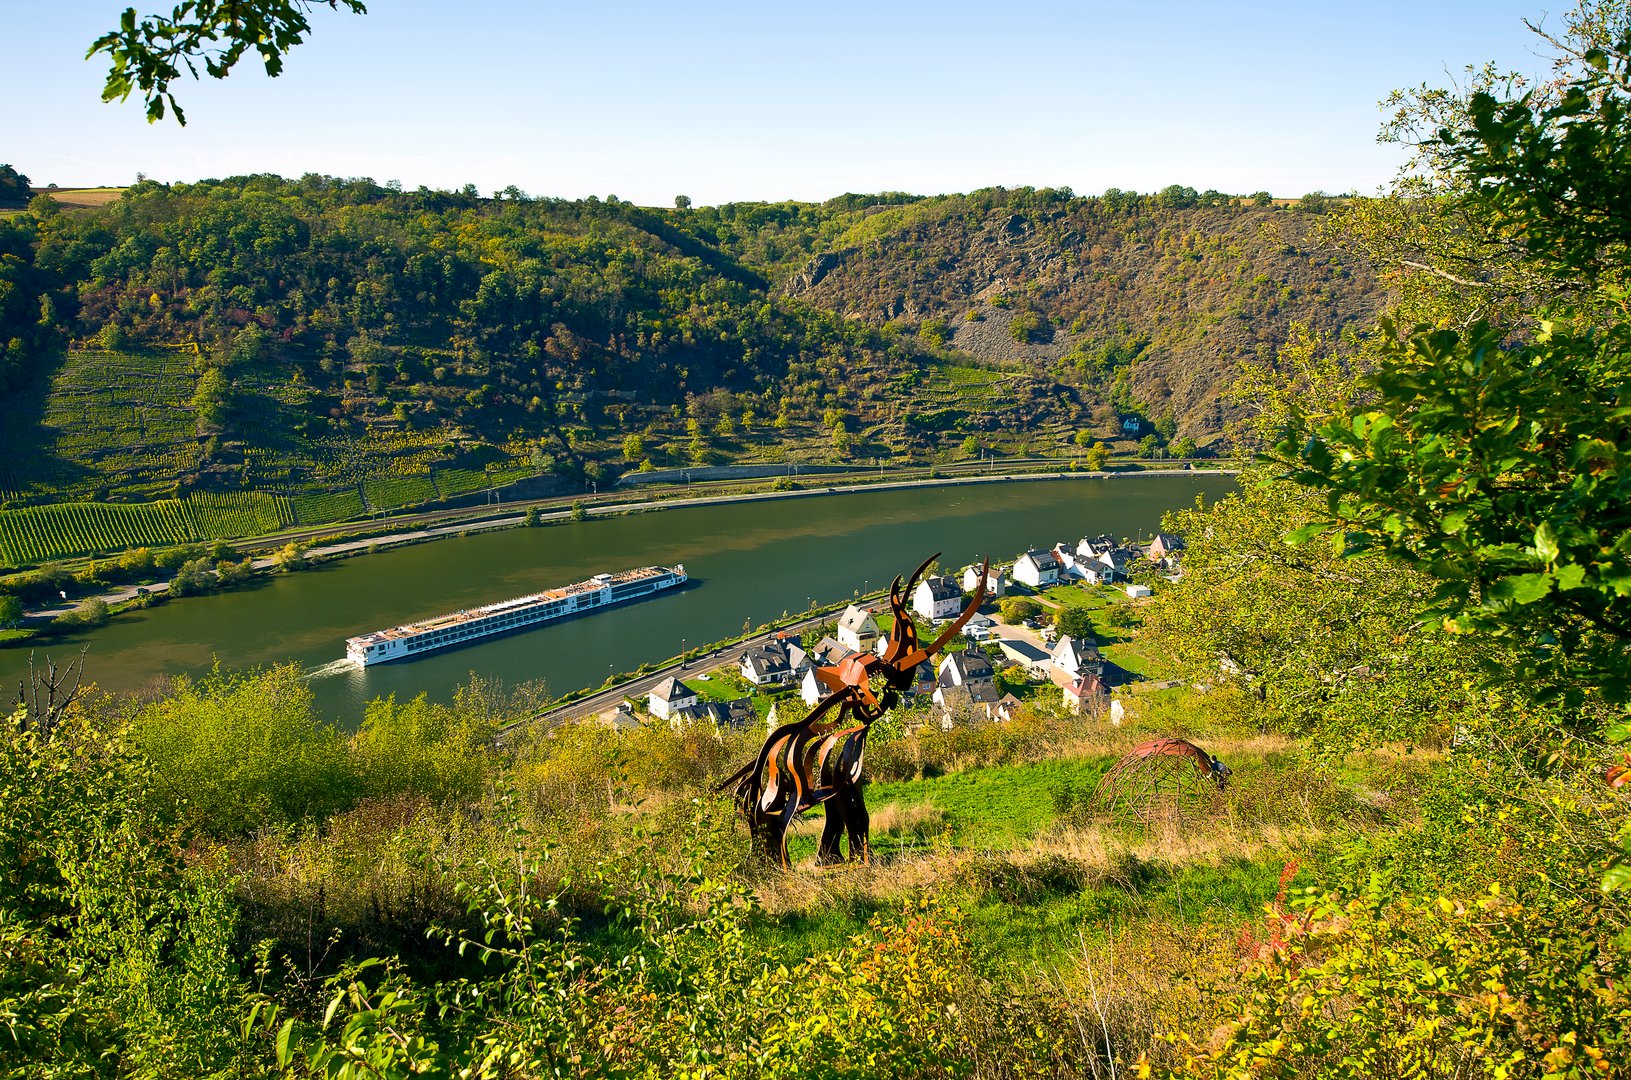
x=749, y=562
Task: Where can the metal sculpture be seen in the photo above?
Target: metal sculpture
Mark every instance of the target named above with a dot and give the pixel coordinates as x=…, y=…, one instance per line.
x=817, y=760
x=1163, y=779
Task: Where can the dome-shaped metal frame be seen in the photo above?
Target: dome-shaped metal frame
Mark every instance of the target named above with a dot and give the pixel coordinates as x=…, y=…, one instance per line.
x=1161, y=780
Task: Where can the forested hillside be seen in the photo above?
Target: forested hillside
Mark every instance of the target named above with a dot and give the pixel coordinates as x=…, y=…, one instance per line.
x=317, y=336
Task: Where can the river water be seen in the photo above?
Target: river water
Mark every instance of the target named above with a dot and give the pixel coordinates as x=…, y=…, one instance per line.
x=748, y=562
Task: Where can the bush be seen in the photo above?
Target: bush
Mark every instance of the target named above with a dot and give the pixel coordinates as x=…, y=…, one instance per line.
x=92, y=612
x=234, y=753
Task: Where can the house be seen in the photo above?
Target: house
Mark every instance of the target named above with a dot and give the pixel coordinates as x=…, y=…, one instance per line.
x=1166, y=550
x=938, y=599
x=735, y=715
x=1076, y=657
x=1037, y=569
x=621, y=717
x=1005, y=708
x=1091, y=547
x=965, y=668
x=1132, y=425
x=1070, y=564
x=774, y=663
x=670, y=696
x=1138, y=592
x=1118, y=564
x=827, y=653
x=996, y=582
x=1028, y=656
x=1086, y=695
x=857, y=630
x=975, y=701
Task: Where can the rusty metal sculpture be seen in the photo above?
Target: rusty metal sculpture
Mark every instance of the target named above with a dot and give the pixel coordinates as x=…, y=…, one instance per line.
x=817, y=760
x=1162, y=780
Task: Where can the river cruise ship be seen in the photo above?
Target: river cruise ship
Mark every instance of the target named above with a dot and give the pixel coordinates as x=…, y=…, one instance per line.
x=602, y=590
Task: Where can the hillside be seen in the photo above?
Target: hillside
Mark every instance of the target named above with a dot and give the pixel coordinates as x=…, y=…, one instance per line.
x=357, y=348
x=1146, y=307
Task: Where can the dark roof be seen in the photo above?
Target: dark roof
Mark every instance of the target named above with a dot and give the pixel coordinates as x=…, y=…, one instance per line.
x=671, y=688
x=943, y=588
x=1042, y=558
x=970, y=664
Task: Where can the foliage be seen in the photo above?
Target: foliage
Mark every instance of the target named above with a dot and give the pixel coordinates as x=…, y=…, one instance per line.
x=240, y=752
x=1332, y=647
x=148, y=55
x=422, y=749
x=1440, y=987
x=1076, y=622
x=116, y=957
x=1016, y=609
x=1502, y=474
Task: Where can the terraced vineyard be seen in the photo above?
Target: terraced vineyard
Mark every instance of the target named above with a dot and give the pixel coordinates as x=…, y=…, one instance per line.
x=109, y=419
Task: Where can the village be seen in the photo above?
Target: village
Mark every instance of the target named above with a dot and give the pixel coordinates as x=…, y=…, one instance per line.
x=1049, y=633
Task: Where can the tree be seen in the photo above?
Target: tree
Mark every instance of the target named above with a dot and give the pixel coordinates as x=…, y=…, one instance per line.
x=682, y=202
x=1148, y=445
x=210, y=400
x=1185, y=447
x=1498, y=467
x=194, y=576
x=1262, y=198
x=1016, y=609
x=1098, y=457
x=14, y=187
x=1076, y=622
x=634, y=447
x=147, y=54
x=11, y=611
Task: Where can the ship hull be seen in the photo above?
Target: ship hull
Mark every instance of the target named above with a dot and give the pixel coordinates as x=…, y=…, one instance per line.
x=508, y=617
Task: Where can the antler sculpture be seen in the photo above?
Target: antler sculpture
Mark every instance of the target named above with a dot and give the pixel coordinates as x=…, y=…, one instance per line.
x=818, y=760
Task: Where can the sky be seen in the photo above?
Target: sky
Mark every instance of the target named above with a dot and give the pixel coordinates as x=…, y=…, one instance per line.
x=730, y=101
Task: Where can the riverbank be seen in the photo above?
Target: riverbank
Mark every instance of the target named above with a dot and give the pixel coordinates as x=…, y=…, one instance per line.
x=122, y=599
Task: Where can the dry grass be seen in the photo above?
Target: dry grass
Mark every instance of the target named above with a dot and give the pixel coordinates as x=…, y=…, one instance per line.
x=82, y=198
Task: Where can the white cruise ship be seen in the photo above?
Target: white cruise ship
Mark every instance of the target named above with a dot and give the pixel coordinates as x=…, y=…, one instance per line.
x=602, y=590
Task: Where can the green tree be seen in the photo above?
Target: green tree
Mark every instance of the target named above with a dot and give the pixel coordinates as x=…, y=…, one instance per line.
x=210, y=400
x=1098, y=457
x=1083, y=438
x=14, y=189
x=634, y=447
x=1185, y=447
x=1077, y=622
x=194, y=576
x=1148, y=445
x=149, y=53
x=11, y=611
x=1016, y=609
x=682, y=202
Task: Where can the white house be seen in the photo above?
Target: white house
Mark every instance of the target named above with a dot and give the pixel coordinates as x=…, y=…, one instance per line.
x=1073, y=657
x=1070, y=565
x=978, y=627
x=1091, y=547
x=1037, y=569
x=670, y=696
x=774, y=663
x=1118, y=561
x=857, y=629
x=996, y=582
x=966, y=668
x=938, y=599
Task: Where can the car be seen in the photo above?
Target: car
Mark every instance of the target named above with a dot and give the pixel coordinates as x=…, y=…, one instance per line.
x=1032, y=624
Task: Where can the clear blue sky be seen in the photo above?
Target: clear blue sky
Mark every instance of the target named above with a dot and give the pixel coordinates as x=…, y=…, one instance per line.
x=729, y=101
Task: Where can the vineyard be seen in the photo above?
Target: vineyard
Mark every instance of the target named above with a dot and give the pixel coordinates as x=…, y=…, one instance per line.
x=39, y=534
x=390, y=492
x=322, y=507
x=244, y=513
